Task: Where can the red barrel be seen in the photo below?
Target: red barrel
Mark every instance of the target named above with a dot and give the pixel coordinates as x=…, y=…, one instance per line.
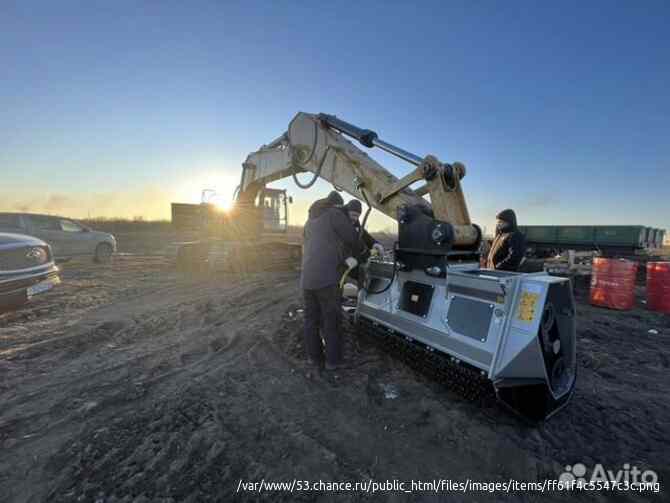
x=613, y=283
x=658, y=286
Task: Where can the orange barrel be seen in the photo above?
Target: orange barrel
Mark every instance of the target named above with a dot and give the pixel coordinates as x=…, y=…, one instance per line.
x=613, y=283
x=658, y=286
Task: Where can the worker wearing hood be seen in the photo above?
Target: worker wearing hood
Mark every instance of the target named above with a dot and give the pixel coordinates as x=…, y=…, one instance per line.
x=329, y=238
x=509, y=246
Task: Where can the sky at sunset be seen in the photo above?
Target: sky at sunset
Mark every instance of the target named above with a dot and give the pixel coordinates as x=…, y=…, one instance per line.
x=560, y=110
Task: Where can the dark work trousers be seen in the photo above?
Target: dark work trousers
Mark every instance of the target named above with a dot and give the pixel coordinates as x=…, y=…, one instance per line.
x=322, y=319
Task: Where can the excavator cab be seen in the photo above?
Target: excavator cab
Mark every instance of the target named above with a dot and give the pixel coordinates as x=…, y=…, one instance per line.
x=274, y=205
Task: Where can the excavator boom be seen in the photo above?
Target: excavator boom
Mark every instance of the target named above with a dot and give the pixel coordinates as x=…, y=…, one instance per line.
x=317, y=144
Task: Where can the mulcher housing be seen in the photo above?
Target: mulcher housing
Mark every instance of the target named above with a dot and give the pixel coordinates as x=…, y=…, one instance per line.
x=518, y=330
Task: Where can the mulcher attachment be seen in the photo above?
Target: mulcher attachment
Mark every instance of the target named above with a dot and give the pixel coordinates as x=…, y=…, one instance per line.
x=482, y=332
x=461, y=378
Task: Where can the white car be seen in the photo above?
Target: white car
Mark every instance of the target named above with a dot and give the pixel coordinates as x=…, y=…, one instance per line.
x=67, y=237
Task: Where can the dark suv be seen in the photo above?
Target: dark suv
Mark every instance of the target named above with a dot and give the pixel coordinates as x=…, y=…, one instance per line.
x=27, y=269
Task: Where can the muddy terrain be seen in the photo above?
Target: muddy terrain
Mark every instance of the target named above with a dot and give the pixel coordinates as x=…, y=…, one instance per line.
x=131, y=382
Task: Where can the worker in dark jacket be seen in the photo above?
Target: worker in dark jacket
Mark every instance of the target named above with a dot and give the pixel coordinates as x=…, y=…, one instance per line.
x=329, y=240
x=509, y=245
x=354, y=209
x=367, y=243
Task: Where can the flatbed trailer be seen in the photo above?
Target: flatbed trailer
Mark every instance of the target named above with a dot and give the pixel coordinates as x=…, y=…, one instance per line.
x=609, y=240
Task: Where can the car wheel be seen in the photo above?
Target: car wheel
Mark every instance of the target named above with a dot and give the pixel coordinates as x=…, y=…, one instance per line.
x=103, y=253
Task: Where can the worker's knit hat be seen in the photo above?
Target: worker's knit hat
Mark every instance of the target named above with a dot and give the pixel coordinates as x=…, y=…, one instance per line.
x=335, y=199
x=354, y=205
x=507, y=215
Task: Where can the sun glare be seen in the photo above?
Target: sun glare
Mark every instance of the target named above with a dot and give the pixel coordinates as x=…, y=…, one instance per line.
x=223, y=204
x=210, y=186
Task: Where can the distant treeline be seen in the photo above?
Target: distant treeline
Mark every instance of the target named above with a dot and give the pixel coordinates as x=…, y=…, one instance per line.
x=138, y=224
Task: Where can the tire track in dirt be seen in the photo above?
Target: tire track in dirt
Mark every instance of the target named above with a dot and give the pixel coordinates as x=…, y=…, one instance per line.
x=199, y=331
x=188, y=355
x=204, y=369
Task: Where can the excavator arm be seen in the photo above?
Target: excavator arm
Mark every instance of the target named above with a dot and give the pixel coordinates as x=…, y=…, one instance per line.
x=317, y=144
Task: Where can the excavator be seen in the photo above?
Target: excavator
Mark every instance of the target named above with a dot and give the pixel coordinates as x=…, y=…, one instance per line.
x=509, y=331
x=247, y=237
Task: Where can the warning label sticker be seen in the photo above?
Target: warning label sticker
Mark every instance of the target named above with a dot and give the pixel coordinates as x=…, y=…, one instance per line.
x=527, y=304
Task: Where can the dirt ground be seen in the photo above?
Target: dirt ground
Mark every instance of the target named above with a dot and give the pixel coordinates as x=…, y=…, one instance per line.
x=131, y=382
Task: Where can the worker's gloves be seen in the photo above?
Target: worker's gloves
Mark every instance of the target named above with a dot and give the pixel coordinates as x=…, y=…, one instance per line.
x=351, y=262
x=377, y=250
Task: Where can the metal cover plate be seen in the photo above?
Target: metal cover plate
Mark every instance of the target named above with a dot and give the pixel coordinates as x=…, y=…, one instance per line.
x=471, y=318
x=416, y=298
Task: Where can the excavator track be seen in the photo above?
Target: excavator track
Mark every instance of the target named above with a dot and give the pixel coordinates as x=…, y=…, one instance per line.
x=454, y=375
x=262, y=257
x=240, y=257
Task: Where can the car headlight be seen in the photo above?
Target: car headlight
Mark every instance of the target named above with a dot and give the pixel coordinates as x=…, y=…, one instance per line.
x=37, y=255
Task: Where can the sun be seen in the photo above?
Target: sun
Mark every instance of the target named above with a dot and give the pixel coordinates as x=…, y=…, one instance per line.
x=223, y=204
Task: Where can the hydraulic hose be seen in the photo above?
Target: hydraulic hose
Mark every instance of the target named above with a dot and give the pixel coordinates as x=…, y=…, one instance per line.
x=395, y=271
x=367, y=213
x=365, y=221
x=317, y=173
x=346, y=275
x=305, y=186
